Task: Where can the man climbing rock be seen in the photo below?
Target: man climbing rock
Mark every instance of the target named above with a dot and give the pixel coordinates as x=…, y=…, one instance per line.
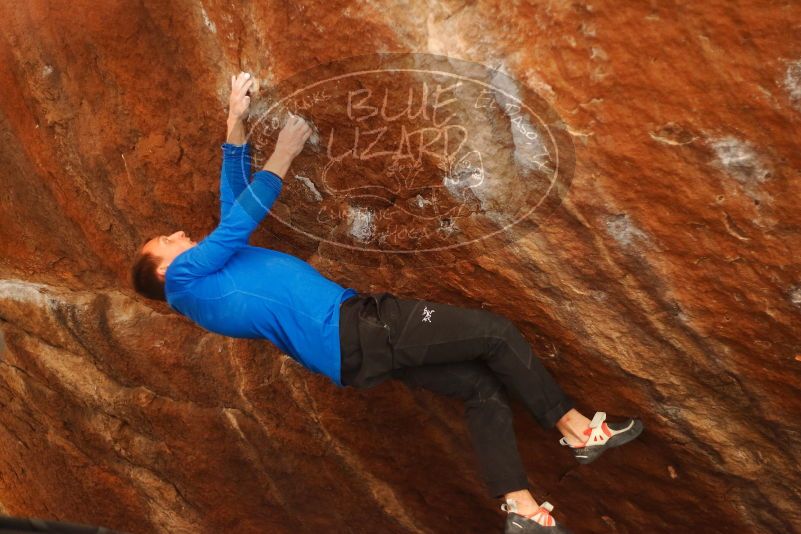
x=361, y=339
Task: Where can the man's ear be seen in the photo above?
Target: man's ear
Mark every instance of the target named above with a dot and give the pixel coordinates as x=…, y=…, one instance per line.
x=161, y=270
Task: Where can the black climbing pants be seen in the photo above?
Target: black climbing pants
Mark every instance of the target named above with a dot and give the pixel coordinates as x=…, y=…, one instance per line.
x=472, y=354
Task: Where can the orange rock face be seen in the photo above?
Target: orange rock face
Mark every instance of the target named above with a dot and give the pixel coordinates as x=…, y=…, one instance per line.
x=661, y=283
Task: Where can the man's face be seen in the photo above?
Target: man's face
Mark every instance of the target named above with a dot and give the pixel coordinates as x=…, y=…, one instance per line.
x=168, y=247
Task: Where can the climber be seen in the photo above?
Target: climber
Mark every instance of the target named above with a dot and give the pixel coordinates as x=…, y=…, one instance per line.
x=361, y=339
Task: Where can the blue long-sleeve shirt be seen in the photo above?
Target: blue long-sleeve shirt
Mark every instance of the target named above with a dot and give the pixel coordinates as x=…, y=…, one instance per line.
x=231, y=288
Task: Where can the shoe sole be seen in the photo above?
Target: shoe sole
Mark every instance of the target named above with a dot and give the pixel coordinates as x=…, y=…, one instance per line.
x=517, y=524
x=588, y=455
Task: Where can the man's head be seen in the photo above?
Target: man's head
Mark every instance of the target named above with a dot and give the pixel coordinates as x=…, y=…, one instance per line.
x=152, y=260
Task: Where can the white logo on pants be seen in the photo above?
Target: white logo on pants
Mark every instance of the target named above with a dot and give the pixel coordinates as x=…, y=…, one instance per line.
x=427, y=314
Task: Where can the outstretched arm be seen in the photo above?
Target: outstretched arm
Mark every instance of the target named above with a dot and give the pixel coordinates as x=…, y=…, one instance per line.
x=235, y=173
x=250, y=207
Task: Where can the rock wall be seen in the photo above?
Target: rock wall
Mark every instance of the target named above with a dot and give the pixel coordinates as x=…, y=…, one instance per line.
x=664, y=286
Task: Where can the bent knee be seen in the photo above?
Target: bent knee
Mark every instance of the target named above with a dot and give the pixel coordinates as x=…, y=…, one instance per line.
x=486, y=386
x=497, y=323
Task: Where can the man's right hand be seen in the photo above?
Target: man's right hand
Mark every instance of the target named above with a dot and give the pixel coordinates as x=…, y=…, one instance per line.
x=239, y=100
x=293, y=136
x=238, y=104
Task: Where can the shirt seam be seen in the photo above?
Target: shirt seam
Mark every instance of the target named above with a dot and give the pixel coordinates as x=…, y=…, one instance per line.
x=200, y=297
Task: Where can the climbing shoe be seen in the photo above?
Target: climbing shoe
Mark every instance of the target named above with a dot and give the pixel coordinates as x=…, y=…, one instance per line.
x=602, y=436
x=540, y=522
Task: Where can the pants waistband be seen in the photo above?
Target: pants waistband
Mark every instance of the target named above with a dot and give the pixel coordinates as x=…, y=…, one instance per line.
x=364, y=331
